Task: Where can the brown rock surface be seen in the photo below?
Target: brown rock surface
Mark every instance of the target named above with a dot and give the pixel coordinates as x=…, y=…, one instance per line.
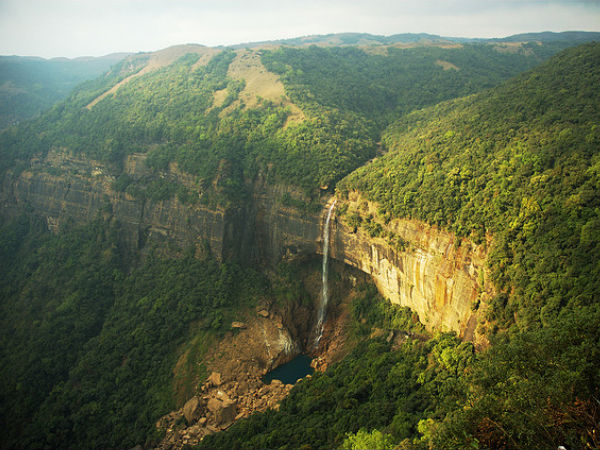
x=214, y=379
x=192, y=410
x=437, y=275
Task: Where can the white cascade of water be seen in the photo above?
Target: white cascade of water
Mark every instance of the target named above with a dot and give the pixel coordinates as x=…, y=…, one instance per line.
x=324, y=287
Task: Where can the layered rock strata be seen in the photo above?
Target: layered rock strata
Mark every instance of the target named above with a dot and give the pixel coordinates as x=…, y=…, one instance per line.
x=436, y=274
x=441, y=278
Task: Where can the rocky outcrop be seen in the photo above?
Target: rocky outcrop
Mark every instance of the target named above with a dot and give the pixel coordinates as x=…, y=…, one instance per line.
x=192, y=410
x=436, y=274
x=234, y=389
x=215, y=409
x=439, y=276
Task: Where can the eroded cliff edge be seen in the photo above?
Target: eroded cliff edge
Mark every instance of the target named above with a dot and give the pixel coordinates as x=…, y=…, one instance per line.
x=441, y=277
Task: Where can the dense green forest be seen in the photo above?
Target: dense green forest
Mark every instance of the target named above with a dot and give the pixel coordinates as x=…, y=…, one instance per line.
x=381, y=86
x=29, y=85
x=519, y=162
x=88, y=347
x=90, y=332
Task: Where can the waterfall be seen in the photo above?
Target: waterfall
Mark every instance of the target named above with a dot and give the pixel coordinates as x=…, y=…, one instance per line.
x=324, y=287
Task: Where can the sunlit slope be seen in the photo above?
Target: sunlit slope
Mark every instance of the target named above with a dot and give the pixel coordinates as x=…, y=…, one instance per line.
x=306, y=116
x=519, y=163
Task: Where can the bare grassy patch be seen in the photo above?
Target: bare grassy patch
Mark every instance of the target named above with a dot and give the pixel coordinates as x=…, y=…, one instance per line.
x=259, y=84
x=513, y=47
x=446, y=65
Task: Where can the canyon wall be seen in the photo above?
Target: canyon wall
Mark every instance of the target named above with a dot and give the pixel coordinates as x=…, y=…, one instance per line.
x=440, y=278
x=281, y=231
x=63, y=187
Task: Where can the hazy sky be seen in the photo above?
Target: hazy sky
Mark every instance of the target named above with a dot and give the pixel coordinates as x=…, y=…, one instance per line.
x=96, y=27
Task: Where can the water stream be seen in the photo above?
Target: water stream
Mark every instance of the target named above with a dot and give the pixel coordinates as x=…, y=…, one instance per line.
x=324, y=287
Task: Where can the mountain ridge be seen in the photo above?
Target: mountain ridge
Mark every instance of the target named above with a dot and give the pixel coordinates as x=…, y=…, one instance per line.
x=29, y=85
x=351, y=38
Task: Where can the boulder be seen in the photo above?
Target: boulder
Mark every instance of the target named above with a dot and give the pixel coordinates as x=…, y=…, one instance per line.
x=242, y=387
x=214, y=404
x=227, y=415
x=215, y=379
x=192, y=410
x=224, y=412
x=240, y=325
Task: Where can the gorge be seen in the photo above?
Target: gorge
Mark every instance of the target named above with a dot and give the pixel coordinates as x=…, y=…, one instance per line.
x=419, y=218
x=438, y=275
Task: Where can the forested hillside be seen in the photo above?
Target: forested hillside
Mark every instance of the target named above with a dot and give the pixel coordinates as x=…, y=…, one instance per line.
x=518, y=163
x=347, y=95
x=88, y=346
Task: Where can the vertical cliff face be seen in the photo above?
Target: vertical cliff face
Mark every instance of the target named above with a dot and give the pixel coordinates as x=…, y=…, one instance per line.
x=439, y=276
x=432, y=272
x=435, y=274
x=62, y=187
x=281, y=231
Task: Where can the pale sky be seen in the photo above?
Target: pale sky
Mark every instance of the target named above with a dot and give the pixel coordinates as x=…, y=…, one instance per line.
x=73, y=28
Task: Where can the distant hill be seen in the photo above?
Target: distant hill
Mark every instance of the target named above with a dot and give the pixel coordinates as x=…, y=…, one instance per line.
x=579, y=37
x=336, y=39
x=365, y=39
x=28, y=85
